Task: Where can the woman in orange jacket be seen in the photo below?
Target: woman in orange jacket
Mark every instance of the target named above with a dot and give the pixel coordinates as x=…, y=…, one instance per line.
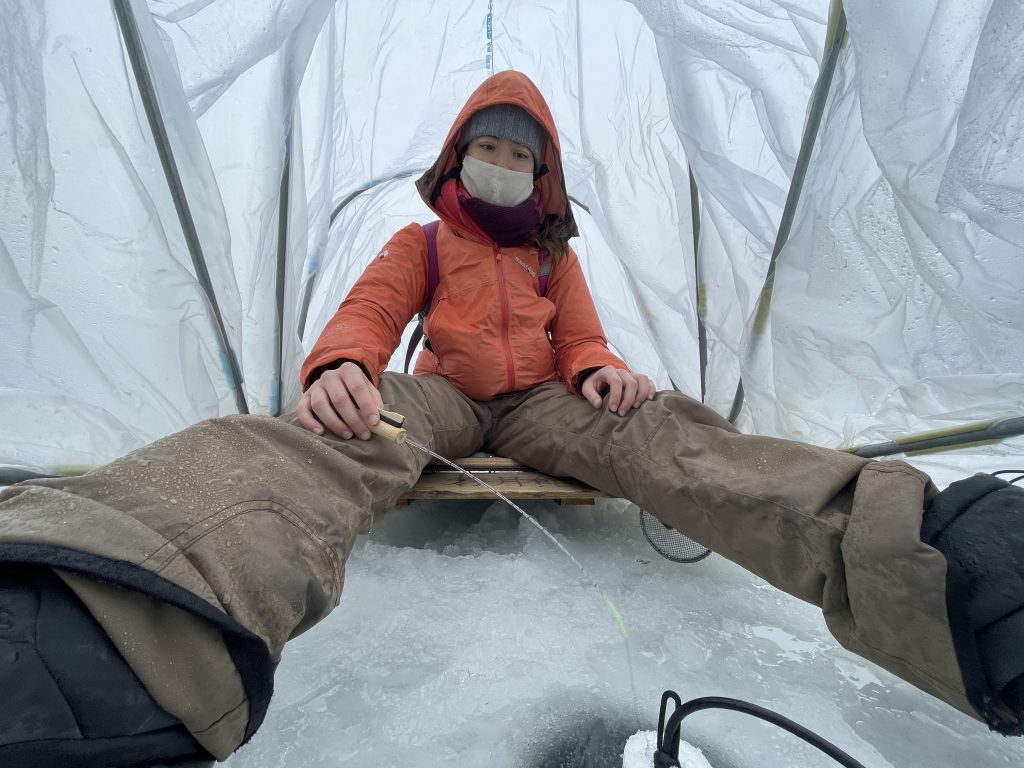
x=499, y=192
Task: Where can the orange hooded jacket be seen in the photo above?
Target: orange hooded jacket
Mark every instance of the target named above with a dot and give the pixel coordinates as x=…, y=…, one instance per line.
x=490, y=332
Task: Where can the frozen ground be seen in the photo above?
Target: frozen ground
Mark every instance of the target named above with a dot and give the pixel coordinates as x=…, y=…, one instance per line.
x=465, y=638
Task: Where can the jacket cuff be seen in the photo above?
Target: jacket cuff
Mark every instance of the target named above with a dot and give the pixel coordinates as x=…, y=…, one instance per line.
x=578, y=380
x=574, y=380
x=320, y=370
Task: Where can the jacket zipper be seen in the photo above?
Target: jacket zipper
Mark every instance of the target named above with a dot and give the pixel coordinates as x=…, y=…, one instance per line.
x=509, y=369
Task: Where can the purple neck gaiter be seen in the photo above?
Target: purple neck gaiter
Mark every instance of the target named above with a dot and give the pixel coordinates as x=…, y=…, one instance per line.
x=507, y=226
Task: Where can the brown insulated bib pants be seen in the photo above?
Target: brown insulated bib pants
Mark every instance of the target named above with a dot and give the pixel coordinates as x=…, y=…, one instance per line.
x=202, y=554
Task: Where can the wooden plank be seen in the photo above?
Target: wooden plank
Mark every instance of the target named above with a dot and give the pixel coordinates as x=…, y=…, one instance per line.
x=479, y=464
x=515, y=480
x=514, y=484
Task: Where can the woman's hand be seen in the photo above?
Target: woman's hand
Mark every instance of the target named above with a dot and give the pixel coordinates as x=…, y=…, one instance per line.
x=625, y=390
x=343, y=400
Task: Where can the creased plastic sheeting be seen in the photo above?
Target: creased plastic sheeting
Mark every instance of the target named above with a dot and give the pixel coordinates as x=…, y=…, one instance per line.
x=311, y=201
x=240, y=64
x=404, y=72
x=982, y=177
x=108, y=342
x=739, y=80
x=896, y=310
x=897, y=301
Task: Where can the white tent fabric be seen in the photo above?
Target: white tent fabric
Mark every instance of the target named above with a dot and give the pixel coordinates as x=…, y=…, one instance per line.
x=897, y=303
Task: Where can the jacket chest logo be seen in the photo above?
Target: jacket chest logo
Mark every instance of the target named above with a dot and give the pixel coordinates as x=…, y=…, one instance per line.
x=527, y=267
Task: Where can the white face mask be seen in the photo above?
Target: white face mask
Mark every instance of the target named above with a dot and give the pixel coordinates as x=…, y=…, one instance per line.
x=494, y=184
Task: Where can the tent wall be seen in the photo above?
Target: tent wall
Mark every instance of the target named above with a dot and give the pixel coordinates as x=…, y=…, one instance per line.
x=897, y=298
x=107, y=339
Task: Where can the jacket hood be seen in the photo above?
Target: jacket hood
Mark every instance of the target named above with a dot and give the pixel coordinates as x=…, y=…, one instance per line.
x=515, y=88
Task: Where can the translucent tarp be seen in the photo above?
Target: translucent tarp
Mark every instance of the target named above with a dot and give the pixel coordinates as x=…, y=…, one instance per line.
x=296, y=129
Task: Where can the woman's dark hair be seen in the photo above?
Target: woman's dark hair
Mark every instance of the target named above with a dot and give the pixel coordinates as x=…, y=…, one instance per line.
x=553, y=236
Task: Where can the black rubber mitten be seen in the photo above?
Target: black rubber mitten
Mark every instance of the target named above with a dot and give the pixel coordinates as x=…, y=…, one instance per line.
x=69, y=698
x=978, y=525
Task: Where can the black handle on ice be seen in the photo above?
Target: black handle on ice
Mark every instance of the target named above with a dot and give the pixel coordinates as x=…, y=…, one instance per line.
x=667, y=754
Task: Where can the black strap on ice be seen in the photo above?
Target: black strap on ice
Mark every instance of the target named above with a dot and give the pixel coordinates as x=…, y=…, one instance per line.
x=667, y=754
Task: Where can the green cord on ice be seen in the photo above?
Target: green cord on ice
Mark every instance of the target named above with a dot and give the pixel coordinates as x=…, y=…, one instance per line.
x=616, y=616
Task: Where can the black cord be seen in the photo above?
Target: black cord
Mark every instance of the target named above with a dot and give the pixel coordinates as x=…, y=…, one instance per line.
x=669, y=734
x=1018, y=472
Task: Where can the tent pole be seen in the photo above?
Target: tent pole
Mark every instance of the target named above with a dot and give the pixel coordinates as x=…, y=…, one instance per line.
x=833, y=44
x=978, y=433
x=282, y=252
x=307, y=292
x=702, y=296
x=144, y=81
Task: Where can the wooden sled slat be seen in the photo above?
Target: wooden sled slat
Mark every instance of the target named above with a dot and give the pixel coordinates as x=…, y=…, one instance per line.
x=480, y=464
x=439, y=481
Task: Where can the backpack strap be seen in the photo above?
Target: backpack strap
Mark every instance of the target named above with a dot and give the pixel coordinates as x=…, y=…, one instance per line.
x=433, y=273
x=433, y=278
x=545, y=272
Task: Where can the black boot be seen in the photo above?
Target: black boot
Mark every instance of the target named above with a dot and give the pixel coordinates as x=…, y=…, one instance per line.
x=69, y=698
x=978, y=525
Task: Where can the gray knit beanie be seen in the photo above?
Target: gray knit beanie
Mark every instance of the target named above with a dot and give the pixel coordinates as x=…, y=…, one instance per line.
x=507, y=121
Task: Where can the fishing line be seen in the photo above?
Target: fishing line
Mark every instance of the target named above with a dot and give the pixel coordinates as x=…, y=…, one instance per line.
x=604, y=596
x=607, y=600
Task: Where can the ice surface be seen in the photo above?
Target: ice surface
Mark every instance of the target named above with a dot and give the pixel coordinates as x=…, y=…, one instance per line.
x=464, y=637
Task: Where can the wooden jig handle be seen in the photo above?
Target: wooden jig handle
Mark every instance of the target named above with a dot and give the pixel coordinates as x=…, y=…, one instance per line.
x=390, y=426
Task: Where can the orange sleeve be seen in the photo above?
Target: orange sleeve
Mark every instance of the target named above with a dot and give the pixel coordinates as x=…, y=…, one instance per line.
x=576, y=331
x=368, y=325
